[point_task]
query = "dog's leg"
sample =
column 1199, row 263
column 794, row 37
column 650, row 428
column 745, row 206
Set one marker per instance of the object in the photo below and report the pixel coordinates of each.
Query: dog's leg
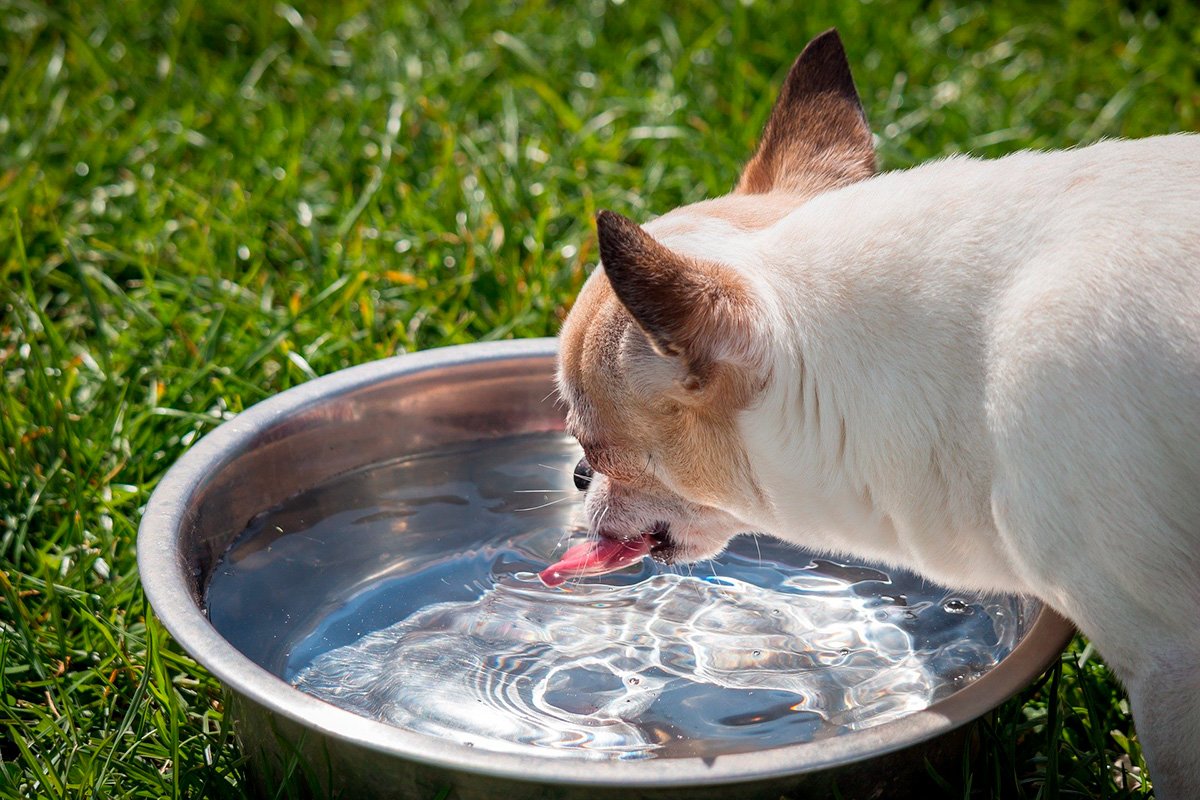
column 1158, row 662
column 1166, row 706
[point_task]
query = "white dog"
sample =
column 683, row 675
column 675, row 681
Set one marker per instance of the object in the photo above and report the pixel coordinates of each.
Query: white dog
column 985, row 371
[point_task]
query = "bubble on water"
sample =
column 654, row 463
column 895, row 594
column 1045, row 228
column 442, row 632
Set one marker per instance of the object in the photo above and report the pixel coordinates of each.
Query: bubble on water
column 956, row 606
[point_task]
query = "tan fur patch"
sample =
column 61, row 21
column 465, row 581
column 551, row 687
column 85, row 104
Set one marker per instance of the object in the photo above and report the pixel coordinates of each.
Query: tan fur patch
column 630, row 436
column 743, row 211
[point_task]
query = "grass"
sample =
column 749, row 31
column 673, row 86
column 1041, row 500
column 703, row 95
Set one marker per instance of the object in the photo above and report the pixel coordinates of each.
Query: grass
column 204, row 203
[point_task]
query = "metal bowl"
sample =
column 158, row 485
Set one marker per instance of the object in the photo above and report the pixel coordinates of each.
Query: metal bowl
column 417, row 402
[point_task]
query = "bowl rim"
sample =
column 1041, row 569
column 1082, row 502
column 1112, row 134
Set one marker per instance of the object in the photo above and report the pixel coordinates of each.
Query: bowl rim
column 165, row 581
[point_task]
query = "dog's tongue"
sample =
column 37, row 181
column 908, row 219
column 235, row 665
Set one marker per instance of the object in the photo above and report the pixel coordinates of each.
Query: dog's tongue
column 595, row 557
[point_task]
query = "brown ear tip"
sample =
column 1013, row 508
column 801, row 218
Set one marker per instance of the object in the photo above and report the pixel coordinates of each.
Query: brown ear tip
column 611, row 226
column 606, row 222
column 826, row 41
column 606, row 219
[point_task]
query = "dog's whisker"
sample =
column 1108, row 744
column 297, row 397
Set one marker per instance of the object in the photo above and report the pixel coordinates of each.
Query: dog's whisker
column 646, row 466
column 553, row 502
column 600, row 519
column 567, row 533
column 723, row 589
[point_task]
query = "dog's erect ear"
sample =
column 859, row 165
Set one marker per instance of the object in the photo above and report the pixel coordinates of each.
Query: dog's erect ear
column 817, row 136
column 698, row 311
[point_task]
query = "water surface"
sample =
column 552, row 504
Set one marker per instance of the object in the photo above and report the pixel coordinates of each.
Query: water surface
column 407, row 592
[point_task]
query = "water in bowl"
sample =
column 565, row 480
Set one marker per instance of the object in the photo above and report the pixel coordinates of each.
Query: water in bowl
column 407, row 592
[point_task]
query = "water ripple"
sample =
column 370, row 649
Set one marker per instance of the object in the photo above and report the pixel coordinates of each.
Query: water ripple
column 630, row 671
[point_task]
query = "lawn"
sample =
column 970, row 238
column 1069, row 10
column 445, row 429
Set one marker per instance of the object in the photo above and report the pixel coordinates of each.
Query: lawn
column 204, row 203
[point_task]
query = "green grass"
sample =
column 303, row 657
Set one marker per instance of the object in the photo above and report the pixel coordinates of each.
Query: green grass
column 207, row 202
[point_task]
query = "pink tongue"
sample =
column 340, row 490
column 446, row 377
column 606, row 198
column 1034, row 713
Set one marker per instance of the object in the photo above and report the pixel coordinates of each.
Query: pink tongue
column 595, row 557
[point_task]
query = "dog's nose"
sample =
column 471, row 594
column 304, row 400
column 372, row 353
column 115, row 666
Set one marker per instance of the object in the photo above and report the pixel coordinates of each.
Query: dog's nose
column 583, row 474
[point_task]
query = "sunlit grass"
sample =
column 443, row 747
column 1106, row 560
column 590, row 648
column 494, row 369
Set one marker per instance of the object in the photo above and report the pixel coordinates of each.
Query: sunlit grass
column 207, row 202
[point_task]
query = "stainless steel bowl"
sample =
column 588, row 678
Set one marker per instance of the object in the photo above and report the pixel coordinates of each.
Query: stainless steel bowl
column 411, row 403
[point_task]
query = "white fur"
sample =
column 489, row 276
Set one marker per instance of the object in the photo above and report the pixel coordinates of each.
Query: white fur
column 1012, row 349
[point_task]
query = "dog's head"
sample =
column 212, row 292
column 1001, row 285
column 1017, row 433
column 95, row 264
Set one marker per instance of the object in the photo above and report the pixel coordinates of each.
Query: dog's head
column 667, row 343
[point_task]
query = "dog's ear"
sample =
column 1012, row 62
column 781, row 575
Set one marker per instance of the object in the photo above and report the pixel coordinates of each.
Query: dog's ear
column 697, row 311
column 817, row 136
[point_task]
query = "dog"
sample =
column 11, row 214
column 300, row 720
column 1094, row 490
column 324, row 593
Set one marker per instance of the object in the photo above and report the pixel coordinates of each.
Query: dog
column 985, row 371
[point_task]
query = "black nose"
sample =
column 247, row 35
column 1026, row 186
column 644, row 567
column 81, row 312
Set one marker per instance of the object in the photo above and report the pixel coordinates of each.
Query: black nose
column 583, row 475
